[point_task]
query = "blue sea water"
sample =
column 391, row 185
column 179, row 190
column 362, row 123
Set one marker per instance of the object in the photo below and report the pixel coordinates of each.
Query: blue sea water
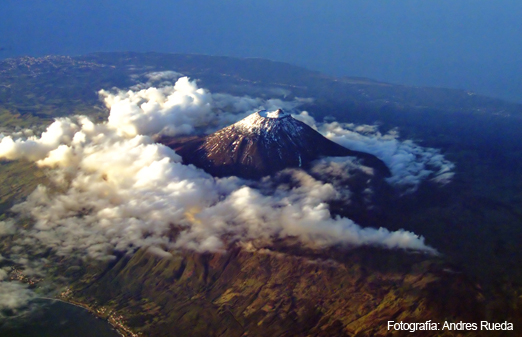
column 57, row 319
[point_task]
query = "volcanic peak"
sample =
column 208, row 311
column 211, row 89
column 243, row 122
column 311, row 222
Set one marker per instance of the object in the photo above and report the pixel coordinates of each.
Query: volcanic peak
column 265, row 122
column 262, row 144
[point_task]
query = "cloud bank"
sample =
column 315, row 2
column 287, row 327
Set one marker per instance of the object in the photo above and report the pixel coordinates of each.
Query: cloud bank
column 409, row 163
column 115, row 188
column 179, row 109
column 13, row 296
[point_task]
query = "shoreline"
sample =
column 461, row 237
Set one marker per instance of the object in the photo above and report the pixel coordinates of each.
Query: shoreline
column 114, row 320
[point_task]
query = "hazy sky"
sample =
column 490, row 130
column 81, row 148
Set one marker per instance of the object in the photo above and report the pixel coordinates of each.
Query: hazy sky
column 469, row 44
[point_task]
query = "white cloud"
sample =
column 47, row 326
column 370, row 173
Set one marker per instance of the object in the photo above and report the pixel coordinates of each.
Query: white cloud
column 35, row 148
column 118, row 189
column 13, row 296
column 408, row 162
column 180, row 109
column 167, row 75
column 7, row 228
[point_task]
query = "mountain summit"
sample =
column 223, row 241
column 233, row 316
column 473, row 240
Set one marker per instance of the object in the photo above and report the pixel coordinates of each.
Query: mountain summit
column 263, row 144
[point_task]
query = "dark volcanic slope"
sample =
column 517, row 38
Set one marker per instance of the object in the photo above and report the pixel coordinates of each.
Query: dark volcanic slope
column 262, row 144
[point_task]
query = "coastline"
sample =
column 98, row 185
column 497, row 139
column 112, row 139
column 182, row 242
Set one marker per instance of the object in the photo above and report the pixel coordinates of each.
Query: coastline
column 116, row 321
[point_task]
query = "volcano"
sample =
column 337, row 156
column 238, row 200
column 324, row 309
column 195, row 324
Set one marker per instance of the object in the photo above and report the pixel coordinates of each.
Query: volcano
column 262, row 144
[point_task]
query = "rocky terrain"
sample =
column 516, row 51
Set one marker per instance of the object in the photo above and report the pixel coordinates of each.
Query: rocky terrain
column 282, row 291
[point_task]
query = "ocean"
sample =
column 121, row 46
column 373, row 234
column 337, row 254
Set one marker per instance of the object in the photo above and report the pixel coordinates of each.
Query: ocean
column 57, row 319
